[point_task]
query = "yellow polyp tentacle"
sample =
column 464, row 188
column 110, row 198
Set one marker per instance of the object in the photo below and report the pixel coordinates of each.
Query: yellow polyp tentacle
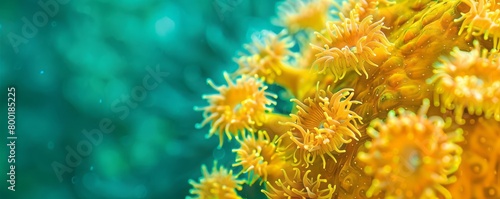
column 323, row 39
column 373, row 189
column 443, row 191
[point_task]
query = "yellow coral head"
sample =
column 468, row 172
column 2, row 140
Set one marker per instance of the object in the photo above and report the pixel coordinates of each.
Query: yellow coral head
column 299, row 186
column 238, row 106
column 259, row 155
column 481, row 19
column 468, row 80
column 323, row 125
column 267, row 55
column 296, row 15
column 411, row 156
column 349, row 45
column 220, row 183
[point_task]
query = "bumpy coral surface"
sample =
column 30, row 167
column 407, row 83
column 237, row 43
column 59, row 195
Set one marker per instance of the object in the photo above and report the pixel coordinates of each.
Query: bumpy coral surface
column 394, row 99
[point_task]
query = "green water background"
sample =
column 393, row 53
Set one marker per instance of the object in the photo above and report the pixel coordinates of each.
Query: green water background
column 88, row 58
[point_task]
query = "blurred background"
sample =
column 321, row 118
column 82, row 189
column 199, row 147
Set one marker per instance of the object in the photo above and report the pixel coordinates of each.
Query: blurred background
column 105, row 91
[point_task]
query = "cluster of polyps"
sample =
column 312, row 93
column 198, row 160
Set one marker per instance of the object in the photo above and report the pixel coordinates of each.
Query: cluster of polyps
column 358, row 78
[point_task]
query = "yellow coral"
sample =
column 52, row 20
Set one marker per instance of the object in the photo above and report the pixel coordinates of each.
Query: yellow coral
column 260, row 155
column 300, row 186
column 350, row 44
column 220, row 183
column 323, row 125
column 394, row 54
column 411, row 156
column 238, row 107
column 468, row 80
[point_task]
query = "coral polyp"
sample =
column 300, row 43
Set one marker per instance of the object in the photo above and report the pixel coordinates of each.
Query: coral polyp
column 268, row 55
column 468, row 81
column 300, row 186
column 481, row 19
column 298, row 15
column 260, row 157
column 323, row 124
column 238, row 106
column 411, row 156
column 349, row 44
column 220, row 183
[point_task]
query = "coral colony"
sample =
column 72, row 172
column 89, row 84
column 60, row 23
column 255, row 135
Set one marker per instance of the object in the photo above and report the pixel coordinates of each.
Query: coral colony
column 392, row 99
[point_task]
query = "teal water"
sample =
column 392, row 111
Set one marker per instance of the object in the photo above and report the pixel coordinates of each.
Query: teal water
column 105, row 92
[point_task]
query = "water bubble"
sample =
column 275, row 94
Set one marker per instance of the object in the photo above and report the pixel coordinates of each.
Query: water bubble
column 42, row 72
